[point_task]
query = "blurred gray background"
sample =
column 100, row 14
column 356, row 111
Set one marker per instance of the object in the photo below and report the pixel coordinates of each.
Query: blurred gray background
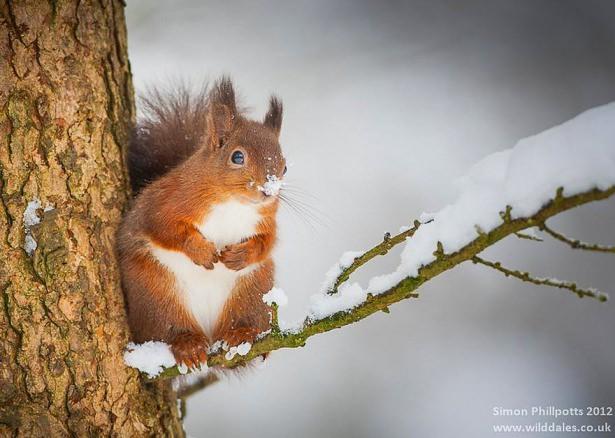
column 386, row 104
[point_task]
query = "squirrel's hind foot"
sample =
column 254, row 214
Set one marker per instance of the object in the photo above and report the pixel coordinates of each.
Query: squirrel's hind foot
column 189, row 349
column 237, row 336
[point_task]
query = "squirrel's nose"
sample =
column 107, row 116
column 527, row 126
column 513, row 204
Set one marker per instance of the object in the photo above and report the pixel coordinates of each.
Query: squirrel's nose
column 272, row 186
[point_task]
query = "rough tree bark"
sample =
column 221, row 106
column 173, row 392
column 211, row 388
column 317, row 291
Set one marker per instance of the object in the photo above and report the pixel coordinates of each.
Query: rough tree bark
column 66, row 105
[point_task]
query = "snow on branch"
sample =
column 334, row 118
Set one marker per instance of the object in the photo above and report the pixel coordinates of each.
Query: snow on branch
column 509, row 191
column 528, row 236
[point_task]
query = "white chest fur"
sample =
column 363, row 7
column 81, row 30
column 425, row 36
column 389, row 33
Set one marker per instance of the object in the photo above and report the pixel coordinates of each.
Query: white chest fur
column 205, row 291
column 230, row 222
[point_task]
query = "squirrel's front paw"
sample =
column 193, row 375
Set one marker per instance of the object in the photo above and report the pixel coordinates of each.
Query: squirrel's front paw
column 237, row 256
column 201, row 252
column 189, row 349
column 239, row 335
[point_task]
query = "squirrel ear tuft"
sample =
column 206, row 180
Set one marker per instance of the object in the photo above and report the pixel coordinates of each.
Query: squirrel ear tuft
column 222, row 111
column 273, row 118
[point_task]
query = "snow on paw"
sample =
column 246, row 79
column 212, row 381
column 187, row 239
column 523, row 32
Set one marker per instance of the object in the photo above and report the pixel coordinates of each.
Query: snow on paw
column 239, row 341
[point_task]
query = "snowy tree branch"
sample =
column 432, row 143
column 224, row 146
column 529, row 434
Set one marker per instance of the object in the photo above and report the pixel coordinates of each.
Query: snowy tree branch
column 382, row 248
column 575, row 244
column 525, row 276
column 501, row 195
column 406, row 288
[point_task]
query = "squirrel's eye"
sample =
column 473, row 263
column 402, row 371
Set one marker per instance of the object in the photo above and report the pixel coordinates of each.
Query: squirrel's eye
column 285, row 170
column 237, row 158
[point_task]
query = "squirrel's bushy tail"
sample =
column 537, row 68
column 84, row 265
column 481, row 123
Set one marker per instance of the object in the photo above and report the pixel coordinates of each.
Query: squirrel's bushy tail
column 168, row 131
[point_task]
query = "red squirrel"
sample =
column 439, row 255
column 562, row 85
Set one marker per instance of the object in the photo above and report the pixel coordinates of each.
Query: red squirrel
column 195, row 248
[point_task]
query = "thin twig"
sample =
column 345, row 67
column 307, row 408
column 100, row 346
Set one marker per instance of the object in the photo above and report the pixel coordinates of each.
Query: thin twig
column 203, row 382
column 275, row 323
column 525, row 276
column 528, row 237
column 576, row 244
column 381, row 249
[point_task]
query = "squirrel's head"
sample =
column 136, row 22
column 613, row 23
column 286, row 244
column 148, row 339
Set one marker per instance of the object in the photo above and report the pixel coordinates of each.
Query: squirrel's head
column 244, row 154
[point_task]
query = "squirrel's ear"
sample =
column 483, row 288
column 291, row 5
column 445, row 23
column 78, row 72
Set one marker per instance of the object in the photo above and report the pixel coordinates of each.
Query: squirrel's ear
column 221, row 113
column 273, row 118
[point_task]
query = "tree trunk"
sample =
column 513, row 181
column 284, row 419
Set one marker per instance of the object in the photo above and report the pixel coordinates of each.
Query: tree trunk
column 66, row 106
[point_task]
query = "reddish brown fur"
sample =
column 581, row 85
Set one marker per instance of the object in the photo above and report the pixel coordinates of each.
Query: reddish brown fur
column 171, row 129
column 245, row 315
column 165, row 214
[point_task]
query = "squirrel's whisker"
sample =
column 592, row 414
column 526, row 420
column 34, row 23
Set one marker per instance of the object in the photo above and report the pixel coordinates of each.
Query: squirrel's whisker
column 295, row 198
column 305, row 212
